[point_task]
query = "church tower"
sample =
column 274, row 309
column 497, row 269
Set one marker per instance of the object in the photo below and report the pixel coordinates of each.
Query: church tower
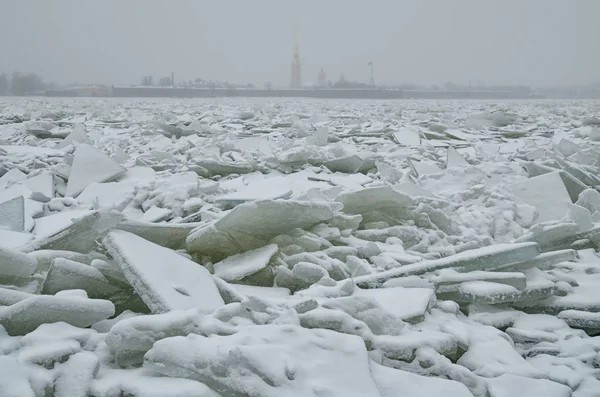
column 296, row 70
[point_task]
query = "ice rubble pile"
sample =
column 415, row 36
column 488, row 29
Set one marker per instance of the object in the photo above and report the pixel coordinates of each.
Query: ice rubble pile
column 298, row 249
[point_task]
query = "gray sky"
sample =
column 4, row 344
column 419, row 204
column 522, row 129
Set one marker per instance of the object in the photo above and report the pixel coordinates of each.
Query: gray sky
column 534, row 42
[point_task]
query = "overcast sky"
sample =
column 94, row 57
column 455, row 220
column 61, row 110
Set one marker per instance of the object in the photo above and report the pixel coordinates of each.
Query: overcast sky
column 534, row 42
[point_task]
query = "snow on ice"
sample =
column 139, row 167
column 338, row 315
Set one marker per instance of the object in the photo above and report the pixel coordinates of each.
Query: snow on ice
column 204, row 248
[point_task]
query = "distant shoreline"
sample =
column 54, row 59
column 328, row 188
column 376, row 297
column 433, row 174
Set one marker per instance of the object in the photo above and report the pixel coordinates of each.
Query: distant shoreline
column 325, row 93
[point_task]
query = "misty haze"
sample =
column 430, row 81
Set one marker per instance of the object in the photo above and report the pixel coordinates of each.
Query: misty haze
column 299, row 199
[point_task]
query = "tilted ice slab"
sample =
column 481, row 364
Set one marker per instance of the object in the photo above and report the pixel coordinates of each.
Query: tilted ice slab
column 41, row 184
column 12, row 214
column 156, row 214
column 107, row 195
column 14, row 240
column 454, row 159
column 547, row 193
column 268, row 189
column 573, row 185
column 14, row 175
column 253, row 225
column 301, row 362
column 407, row 137
column 486, row 258
column 89, row 166
column 170, row 235
column 80, row 234
column 409, row 304
column 32, row 208
column 163, row 279
column 420, row 168
column 236, row 267
column 78, row 135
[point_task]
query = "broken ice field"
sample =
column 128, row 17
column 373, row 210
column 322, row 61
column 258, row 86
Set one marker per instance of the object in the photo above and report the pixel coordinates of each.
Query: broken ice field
column 282, row 248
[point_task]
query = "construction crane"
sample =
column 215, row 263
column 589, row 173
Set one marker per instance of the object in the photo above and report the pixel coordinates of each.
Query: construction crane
column 372, row 79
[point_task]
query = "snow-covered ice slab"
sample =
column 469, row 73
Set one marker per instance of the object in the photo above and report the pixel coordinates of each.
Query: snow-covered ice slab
column 210, row 167
column 253, row 225
column 236, row 267
column 50, row 354
column 371, row 203
column 573, row 185
column 551, row 205
column 130, row 338
column 420, row 169
column 156, row 214
column 89, row 166
column 407, row 137
column 301, row 363
column 74, row 378
column 35, row 150
column 31, row 208
column 486, row 258
column 496, row 293
column 544, row 261
column 50, row 225
column 16, row 264
column 42, row 185
column 581, row 319
column 413, row 190
column 14, row 378
column 409, row 304
column 508, row 385
column 347, row 164
column 107, row 195
column 270, row 293
column 394, row 383
column 65, row 274
column 447, row 280
column 28, row 314
column 458, row 134
column 163, row 279
column 567, row 147
column 491, row 353
column 267, row 189
column 14, row 240
column 145, row 383
column 12, row 214
column 14, row 175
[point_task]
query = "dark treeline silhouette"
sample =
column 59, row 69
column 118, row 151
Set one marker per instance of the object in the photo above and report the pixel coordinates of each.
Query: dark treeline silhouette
column 21, row 84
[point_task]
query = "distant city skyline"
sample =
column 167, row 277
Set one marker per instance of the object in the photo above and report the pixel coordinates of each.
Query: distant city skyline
column 426, row 42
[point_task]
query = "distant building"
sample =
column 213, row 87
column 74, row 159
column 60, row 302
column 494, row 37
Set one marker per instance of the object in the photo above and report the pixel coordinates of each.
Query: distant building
column 322, row 80
column 85, row 91
column 296, row 67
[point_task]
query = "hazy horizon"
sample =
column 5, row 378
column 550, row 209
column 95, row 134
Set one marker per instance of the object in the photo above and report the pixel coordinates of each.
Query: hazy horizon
column 536, row 43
